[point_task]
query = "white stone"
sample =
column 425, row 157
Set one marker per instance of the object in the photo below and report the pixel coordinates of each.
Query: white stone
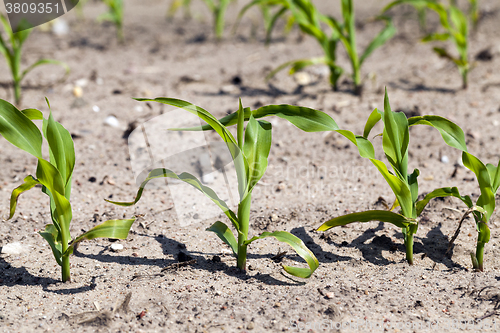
column 302, row 78
column 116, row 247
column 95, row 108
column 60, row 27
column 445, row 159
column 112, row 121
column 14, row 248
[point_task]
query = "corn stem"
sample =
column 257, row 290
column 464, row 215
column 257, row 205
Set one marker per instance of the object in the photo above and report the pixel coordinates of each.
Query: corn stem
column 244, row 220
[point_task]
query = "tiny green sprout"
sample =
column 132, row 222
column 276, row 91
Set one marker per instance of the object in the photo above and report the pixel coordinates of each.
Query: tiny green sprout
column 13, row 55
column 115, row 16
column 249, row 153
column 488, row 177
column 79, row 9
column 218, row 9
column 54, row 176
column 309, row 20
column 456, row 27
column 176, row 4
column 395, row 142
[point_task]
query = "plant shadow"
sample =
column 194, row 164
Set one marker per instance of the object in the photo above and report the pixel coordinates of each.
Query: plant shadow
column 176, row 249
column 407, row 85
column 431, row 246
column 19, row 276
column 321, row 255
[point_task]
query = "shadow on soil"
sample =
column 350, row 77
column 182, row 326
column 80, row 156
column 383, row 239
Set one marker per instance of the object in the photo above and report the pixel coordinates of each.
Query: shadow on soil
column 434, row 246
column 406, row 85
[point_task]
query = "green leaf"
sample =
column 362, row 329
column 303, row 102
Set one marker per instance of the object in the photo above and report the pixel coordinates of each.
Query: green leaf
column 115, row 229
column 365, row 147
column 51, row 235
column 399, row 187
column 225, row 234
column 484, row 233
column 189, row 179
column 33, row 114
column 441, row 193
column 297, row 65
column 396, row 138
column 452, row 134
column 494, row 176
column 413, row 183
column 370, row 215
column 300, row 248
column 29, row 183
column 61, row 147
column 373, row 119
column 383, row 36
column 306, row 119
column 436, row 37
column 256, row 149
column 16, row 128
column 45, row 62
column 50, row 177
column 487, row 199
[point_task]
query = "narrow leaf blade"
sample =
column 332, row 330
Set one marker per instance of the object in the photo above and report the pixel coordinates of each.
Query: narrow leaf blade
column 300, row 248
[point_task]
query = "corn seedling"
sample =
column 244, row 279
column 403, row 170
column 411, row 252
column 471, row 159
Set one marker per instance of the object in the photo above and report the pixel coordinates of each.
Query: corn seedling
column 176, row 4
column 395, row 140
column 217, row 8
column 456, row 27
column 309, row 20
column 114, row 15
column 250, row 153
column 269, row 16
column 488, row 177
column 54, row 176
column 13, row 54
column 347, row 35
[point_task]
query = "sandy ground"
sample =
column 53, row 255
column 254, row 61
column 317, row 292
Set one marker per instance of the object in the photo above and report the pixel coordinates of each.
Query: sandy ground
column 363, row 283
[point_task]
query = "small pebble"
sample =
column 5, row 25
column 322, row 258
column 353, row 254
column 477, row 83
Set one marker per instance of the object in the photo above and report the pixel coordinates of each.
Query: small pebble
column 250, row 326
column 112, row 121
column 14, row 248
column 302, row 78
column 445, row 159
column 116, row 247
column 274, row 217
column 60, row 27
column 77, row 91
column 95, row 108
column 330, row 295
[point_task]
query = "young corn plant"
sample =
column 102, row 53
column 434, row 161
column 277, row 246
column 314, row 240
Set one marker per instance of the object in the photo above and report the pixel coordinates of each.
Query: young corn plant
column 456, row 27
column 218, row 9
column 54, row 176
column 488, row 177
column 11, row 48
column 249, row 152
column 270, row 17
column 395, row 141
column 115, row 16
column 309, row 20
column 176, row 4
